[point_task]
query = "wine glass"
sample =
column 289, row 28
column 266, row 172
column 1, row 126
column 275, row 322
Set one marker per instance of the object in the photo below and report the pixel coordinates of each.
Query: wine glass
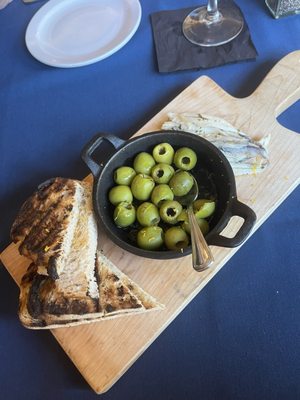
column 214, row 24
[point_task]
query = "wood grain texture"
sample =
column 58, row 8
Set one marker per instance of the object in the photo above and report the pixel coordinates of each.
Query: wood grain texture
column 103, row 351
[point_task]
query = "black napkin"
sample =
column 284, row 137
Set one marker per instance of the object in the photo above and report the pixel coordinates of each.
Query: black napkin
column 175, row 53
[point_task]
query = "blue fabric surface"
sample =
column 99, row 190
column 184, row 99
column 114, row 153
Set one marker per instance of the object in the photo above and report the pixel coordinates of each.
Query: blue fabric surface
column 239, row 338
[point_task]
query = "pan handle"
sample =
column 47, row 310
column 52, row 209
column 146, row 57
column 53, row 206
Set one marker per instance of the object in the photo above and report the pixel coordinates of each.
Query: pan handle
column 241, row 210
column 93, row 145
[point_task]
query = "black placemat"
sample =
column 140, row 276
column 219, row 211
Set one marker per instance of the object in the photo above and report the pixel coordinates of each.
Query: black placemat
column 175, row 53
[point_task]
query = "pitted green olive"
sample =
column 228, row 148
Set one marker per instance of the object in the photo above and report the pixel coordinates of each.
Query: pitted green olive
column 176, row 238
column 185, row 158
column 124, row 214
column 169, row 211
column 162, row 173
column 203, row 224
column 161, row 193
column 184, row 220
column 120, row 193
column 124, row 175
column 142, row 186
column 204, row 208
column 181, row 183
column 150, row 238
column 143, row 163
column 163, row 153
column 147, row 214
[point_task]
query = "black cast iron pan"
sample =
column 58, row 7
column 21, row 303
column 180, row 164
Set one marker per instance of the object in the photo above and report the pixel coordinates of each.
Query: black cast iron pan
column 213, row 173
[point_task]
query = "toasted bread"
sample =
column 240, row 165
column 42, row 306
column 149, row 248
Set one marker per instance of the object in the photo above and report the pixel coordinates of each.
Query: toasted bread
column 87, row 287
column 46, row 223
column 119, row 295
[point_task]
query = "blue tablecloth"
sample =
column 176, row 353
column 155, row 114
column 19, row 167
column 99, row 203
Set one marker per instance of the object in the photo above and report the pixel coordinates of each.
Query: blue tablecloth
column 239, row 338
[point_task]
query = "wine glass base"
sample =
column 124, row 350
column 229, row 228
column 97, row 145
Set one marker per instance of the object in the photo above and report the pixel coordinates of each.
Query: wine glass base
column 203, row 32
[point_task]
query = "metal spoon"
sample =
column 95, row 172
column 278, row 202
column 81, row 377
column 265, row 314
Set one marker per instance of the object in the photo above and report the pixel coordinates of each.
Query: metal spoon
column 201, row 254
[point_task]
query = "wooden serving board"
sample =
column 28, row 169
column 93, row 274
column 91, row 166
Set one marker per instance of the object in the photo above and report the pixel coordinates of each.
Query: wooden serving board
column 103, row 351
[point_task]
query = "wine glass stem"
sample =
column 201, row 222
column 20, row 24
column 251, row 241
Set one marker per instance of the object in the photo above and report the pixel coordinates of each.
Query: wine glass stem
column 213, row 13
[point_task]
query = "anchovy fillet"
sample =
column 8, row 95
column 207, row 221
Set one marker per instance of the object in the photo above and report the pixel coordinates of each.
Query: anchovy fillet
column 245, row 155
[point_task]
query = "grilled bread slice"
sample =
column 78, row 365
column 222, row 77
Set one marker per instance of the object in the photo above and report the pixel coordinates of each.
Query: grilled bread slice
column 46, row 223
column 76, row 290
column 86, row 287
column 118, row 295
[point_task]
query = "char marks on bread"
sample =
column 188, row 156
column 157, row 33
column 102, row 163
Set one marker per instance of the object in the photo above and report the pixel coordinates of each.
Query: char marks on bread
column 43, row 306
column 89, row 287
column 46, row 223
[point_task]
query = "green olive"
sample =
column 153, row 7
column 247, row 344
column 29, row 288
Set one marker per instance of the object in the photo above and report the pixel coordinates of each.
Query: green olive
column 163, row 153
column 162, row 173
column 124, row 214
column 176, row 238
column 124, row 175
column 185, row 158
column 161, row 193
column 120, row 193
column 203, row 224
column 147, row 214
column 184, row 219
column 181, row 183
column 142, row 186
column 143, row 163
column 169, row 211
column 150, row 238
column 204, row 208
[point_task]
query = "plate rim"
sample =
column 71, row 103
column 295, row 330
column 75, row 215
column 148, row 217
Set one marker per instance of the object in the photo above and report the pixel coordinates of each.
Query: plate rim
column 40, row 15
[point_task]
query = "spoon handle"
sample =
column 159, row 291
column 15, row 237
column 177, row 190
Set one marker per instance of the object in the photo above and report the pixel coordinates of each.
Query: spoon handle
column 202, row 256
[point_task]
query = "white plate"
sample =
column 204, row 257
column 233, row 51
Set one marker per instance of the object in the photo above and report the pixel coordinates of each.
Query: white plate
column 73, row 33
